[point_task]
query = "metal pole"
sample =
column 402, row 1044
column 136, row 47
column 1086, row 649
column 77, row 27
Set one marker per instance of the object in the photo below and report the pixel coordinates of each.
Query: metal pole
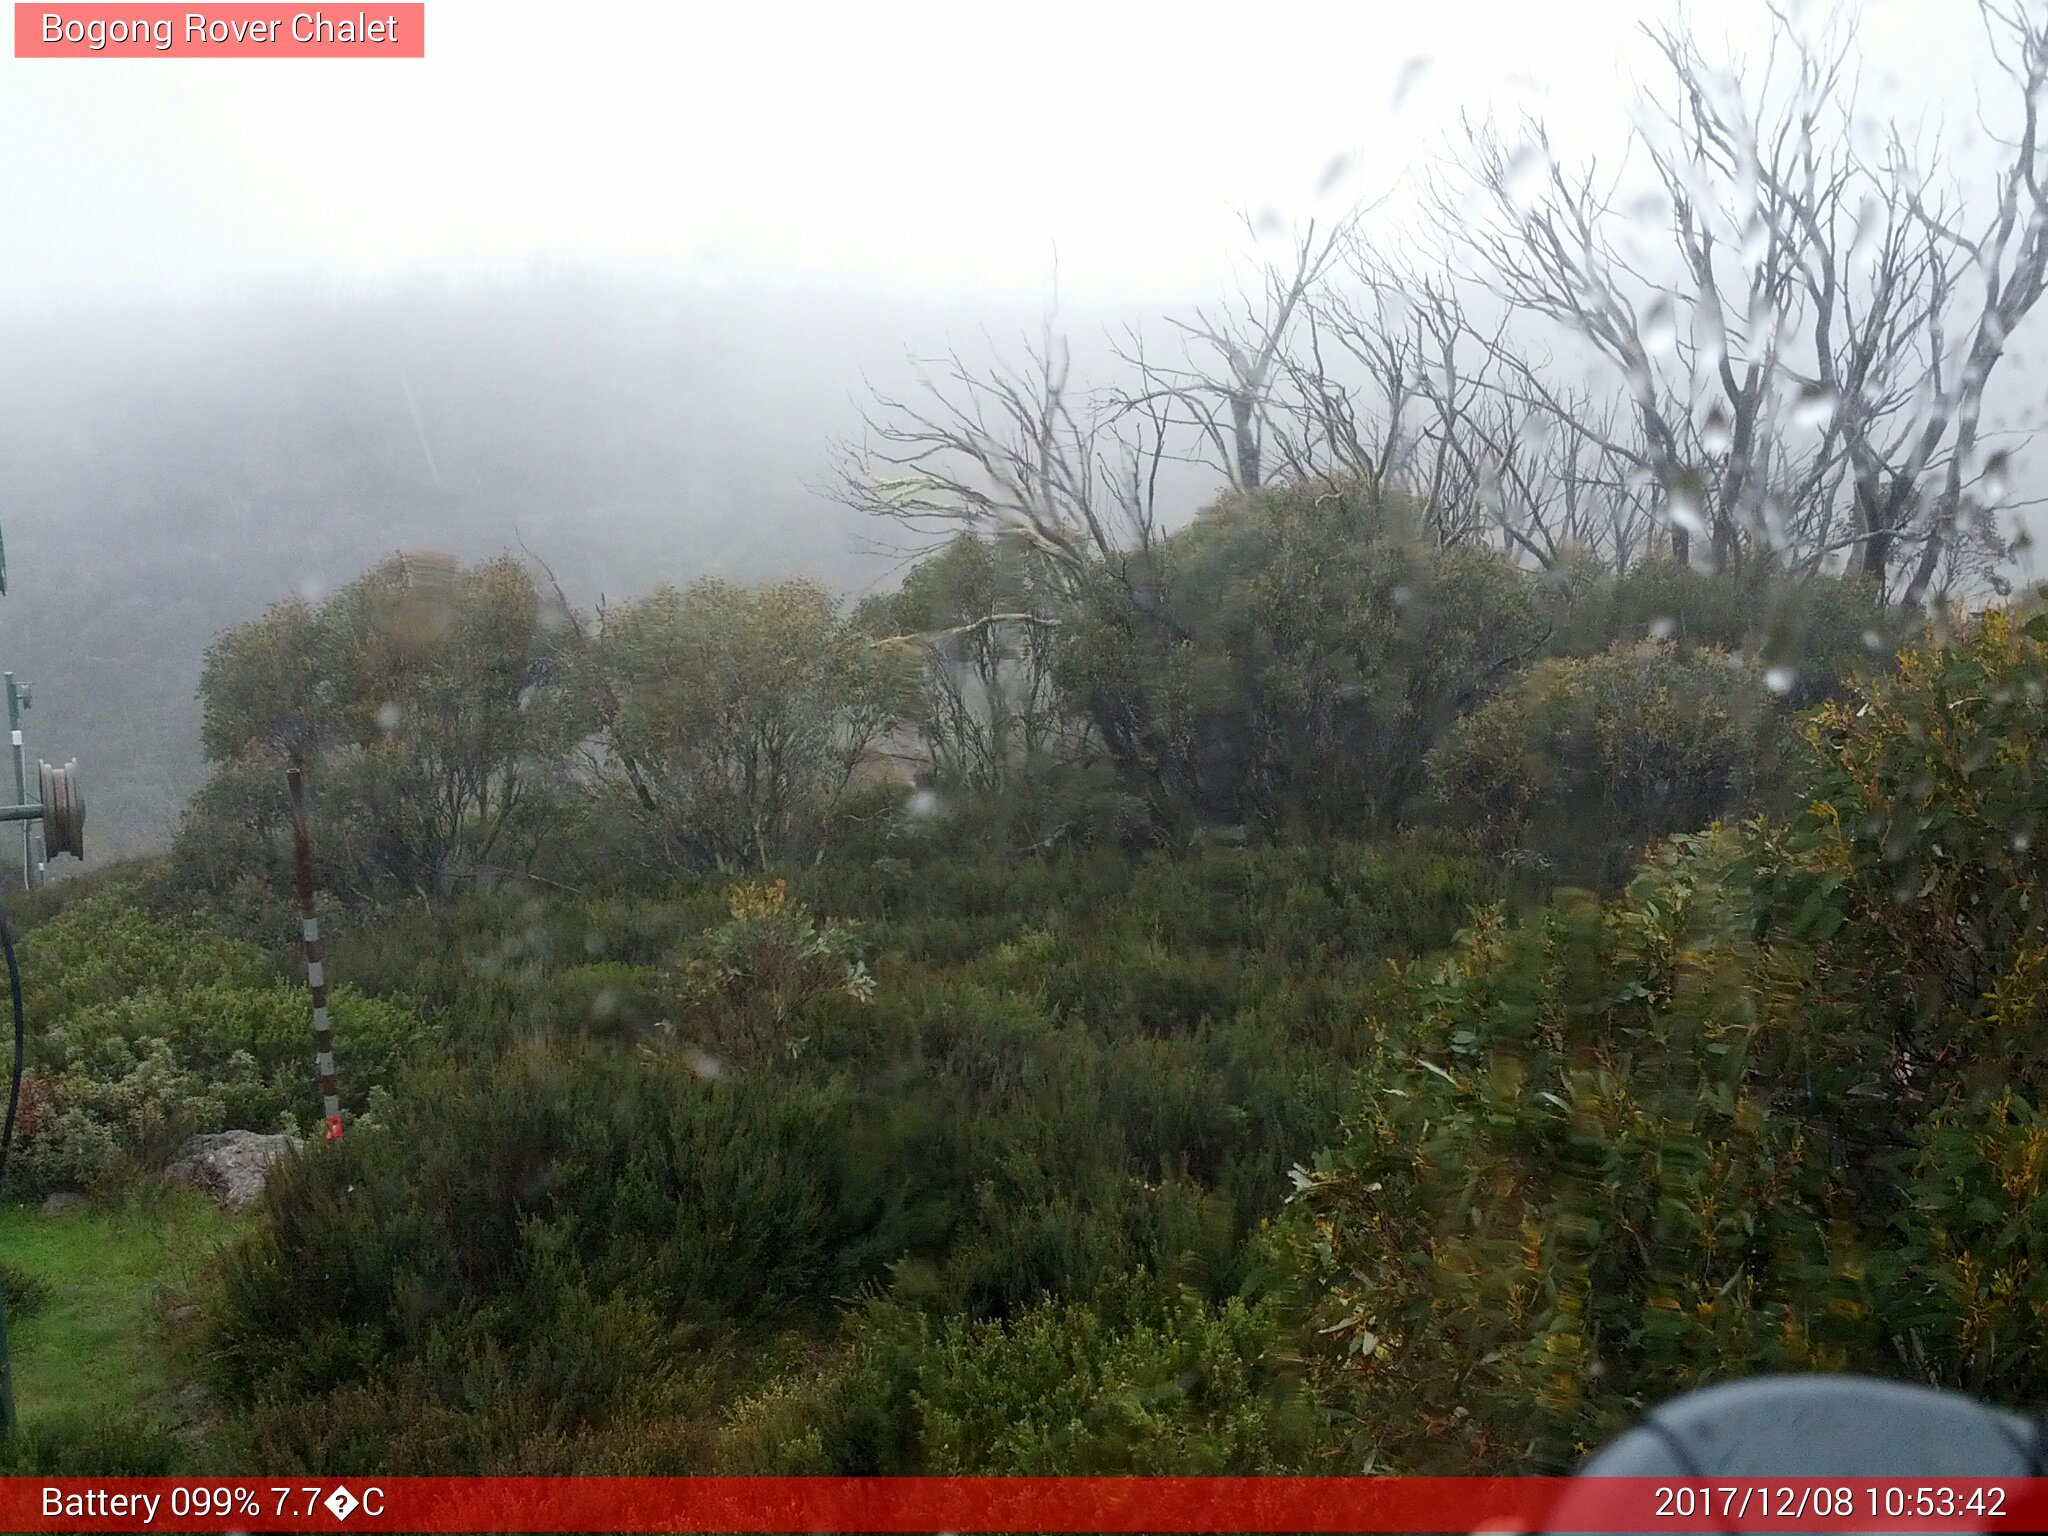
column 316, row 974
column 35, row 833
column 28, row 860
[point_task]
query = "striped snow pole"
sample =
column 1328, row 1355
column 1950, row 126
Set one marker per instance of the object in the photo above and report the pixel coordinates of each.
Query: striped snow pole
column 316, row 975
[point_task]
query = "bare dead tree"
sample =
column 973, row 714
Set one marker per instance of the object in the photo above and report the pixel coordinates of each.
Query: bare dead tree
column 1221, row 390
column 990, row 707
column 1398, row 388
column 1000, row 449
column 2009, row 253
column 1805, row 358
column 1020, row 451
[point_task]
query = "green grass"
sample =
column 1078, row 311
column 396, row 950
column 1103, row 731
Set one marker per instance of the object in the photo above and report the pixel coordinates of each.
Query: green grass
column 106, row 1342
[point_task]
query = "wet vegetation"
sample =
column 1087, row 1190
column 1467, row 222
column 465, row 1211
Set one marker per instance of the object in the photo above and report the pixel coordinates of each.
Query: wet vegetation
column 902, row 1123
column 1509, row 904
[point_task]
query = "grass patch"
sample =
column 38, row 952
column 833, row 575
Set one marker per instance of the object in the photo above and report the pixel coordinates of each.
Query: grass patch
column 99, row 1343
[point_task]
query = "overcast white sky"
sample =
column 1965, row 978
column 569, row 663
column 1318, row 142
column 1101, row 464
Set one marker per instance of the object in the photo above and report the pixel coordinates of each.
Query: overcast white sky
column 925, row 148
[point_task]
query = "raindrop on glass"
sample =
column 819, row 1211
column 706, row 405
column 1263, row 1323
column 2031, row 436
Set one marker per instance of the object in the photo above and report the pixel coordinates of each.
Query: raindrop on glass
column 1997, row 478
column 1870, row 221
column 1815, row 406
column 1756, row 239
column 1685, row 509
column 1645, row 209
column 1411, row 75
column 1715, row 435
column 1774, row 530
column 1660, row 328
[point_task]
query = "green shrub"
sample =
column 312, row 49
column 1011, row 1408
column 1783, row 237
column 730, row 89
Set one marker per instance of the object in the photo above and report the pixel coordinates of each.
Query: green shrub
column 1108, row 1386
column 209, row 1027
column 118, row 1085
column 108, row 947
column 609, row 998
column 94, row 1445
column 501, row 1196
column 1777, row 1109
column 1073, row 1069
column 1140, row 1380
column 744, row 981
column 1330, row 642
column 1817, row 635
column 1581, row 763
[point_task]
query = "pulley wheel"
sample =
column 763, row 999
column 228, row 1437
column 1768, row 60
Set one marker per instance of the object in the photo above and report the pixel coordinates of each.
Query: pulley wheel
column 63, row 811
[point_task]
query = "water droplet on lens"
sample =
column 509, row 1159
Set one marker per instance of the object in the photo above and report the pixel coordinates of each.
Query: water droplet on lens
column 1715, row 435
column 1997, row 478
column 1756, row 239
column 1660, row 328
column 1870, row 223
column 1780, row 680
column 1685, row 506
column 1411, row 74
column 1815, row 406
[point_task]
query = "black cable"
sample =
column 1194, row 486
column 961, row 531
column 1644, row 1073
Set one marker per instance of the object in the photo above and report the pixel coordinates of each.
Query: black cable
column 20, row 1039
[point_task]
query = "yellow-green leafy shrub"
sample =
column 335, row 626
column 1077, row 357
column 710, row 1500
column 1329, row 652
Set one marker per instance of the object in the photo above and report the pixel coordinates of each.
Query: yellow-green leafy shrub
column 1776, row 1109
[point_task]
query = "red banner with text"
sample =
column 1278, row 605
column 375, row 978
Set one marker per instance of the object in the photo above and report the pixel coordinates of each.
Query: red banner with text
column 963, row 1504
column 227, row 31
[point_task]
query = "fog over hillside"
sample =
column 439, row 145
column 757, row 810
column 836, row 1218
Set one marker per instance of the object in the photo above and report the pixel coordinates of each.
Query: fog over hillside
column 171, row 471
column 296, row 318
column 1055, row 742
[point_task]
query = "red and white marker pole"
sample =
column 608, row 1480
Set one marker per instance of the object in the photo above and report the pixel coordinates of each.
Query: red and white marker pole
column 316, row 974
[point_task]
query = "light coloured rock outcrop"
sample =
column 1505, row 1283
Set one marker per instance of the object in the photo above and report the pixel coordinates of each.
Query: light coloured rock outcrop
column 229, row 1165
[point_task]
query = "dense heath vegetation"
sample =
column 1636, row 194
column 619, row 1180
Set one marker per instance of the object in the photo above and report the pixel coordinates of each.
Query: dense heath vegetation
column 1527, row 902
column 784, row 1038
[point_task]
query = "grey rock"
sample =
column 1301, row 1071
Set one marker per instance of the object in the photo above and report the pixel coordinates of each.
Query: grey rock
column 63, row 1203
column 232, row 1166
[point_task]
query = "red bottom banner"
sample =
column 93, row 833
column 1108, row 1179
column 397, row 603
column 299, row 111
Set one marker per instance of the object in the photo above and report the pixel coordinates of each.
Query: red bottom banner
column 962, row 1504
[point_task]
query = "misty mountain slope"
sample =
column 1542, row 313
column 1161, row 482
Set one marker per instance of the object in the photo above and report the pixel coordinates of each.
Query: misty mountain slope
column 165, row 474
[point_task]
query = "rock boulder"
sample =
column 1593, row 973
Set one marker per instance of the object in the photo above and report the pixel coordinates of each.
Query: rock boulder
column 229, row 1165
